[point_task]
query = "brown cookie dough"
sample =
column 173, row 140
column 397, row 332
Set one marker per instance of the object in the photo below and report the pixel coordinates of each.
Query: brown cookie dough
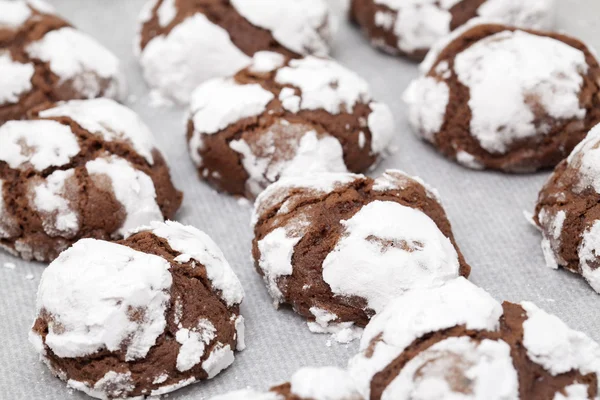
column 456, row 341
column 507, row 99
column 182, row 43
column 82, row 168
column 44, row 59
column 145, row 316
column 285, row 117
column 339, row 247
column 411, row 28
column 568, row 215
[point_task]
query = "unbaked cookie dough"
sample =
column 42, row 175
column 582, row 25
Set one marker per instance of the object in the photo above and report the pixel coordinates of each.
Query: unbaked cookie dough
column 82, row 168
column 339, row 247
column 457, row 342
column 327, row 383
column 411, row 28
column 285, row 117
column 568, row 212
column 145, row 316
column 501, row 98
column 182, row 43
column 44, row 59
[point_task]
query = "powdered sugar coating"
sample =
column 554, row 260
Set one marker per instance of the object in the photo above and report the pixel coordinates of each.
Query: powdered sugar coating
column 427, row 99
column 108, row 119
column 220, row 358
column 576, row 391
column 299, row 25
column 381, row 125
column 51, row 201
column 457, row 368
column 551, row 242
column 586, row 158
column 533, row 14
column 193, row 342
column 88, row 62
column 248, row 394
column 521, row 70
column 588, row 255
column 113, row 384
column 416, row 313
column 374, row 247
column 195, row 244
column 166, row 12
column 326, row 383
column 38, row 144
column 15, row 77
column 131, row 187
column 195, row 51
column 14, row 13
column 266, row 61
column 88, row 292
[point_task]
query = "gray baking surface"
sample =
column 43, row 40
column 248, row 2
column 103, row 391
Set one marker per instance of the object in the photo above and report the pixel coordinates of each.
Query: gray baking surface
column 486, row 210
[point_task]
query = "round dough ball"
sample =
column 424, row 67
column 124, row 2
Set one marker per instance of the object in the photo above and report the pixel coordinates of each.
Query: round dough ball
column 411, row 28
column 568, row 213
column 284, row 117
column 44, row 59
column 147, row 315
column 182, row 43
column 82, row 168
column 497, row 97
column 339, row 247
column 456, row 341
column 327, row 383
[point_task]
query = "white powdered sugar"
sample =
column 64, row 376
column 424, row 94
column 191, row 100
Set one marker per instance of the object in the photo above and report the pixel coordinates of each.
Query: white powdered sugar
column 14, row 13
column 112, row 385
column 166, row 12
column 220, row 358
column 131, row 187
column 416, row 313
column 108, row 119
column 171, row 388
column 37, row 143
column 326, row 383
column 586, row 158
column 533, row 14
column 240, row 333
column 266, row 61
column 195, row 244
column 457, row 368
column 427, row 100
column 378, row 258
column 299, row 25
column 87, row 63
column 325, row 84
column 90, row 292
column 468, row 160
column 555, row 346
column 193, row 342
column 50, row 201
column 194, row 51
column 381, row 125
column 218, row 103
column 394, row 179
column 552, row 224
column 325, row 322
column 512, row 74
column 588, row 252
column 248, row 394
column 576, row 391
column 15, row 78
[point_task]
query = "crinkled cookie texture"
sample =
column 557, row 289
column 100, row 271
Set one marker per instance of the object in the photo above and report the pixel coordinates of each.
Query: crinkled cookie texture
column 339, row 247
column 284, row 117
column 457, row 342
column 327, row 383
column 44, row 59
column 411, row 27
column 182, row 43
column 145, row 316
column 501, row 98
column 568, row 214
column 82, row 168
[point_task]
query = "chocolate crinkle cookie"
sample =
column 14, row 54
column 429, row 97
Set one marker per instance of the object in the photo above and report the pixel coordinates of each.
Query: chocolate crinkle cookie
column 339, row 247
column 145, row 316
column 457, row 342
column 502, row 98
column 44, row 59
column 568, row 213
column 285, row 117
column 327, row 383
column 182, row 43
column 411, row 28
column 82, row 168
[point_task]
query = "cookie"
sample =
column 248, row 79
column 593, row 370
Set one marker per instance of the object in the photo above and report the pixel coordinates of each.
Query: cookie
column 506, row 99
column 456, row 341
column 411, row 28
column 144, row 316
column 327, row 383
column 182, row 43
column 44, row 59
column 284, row 117
column 567, row 212
column 82, row 168
column 339, row 247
